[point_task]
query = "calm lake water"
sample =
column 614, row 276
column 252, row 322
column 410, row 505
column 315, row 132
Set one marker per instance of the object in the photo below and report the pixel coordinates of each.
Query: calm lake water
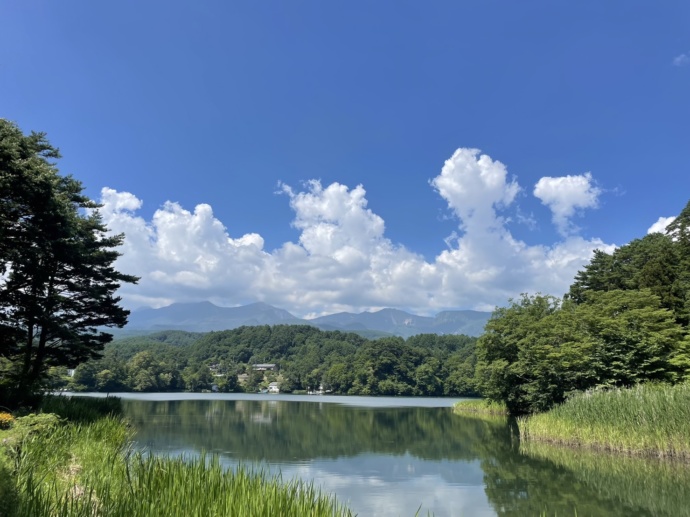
column 391, row 456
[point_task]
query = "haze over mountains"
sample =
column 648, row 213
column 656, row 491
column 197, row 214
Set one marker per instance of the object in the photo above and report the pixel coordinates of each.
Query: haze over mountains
column 205, row 316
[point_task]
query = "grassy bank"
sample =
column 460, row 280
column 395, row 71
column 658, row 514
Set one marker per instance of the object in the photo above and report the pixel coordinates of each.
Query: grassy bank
column 480, row 406
column 85, row 468
column 648, row 419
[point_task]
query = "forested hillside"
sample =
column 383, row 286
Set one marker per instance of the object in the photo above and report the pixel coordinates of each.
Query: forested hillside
column 306, row 358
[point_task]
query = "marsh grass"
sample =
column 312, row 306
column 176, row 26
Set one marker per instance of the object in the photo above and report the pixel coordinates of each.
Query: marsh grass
column 88, row 469
column 649, row 419
column 81, row 409
column 480, row 406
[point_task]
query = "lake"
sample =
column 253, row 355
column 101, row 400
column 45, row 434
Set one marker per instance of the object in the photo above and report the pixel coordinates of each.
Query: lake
column 393, row 456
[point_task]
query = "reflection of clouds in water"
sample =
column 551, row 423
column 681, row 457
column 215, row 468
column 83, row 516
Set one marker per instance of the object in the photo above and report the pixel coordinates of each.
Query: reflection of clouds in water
column 273, row 400
column 404, row 491
column 372, row 484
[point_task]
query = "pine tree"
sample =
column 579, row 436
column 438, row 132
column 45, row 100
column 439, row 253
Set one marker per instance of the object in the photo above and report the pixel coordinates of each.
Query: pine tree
column 58, row 284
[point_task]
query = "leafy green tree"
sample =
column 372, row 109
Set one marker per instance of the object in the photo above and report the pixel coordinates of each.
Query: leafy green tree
column 537, row 351
column 199, row 378
column 427, row 379
column 338, row 378
column 256, row 378
column 84, row 377
column 633, row 337
column 679, row 232
column 228, row 383
column 458, row 377
column 145, row 372
column 57, row 257
column 111, row 380
column 502, row 368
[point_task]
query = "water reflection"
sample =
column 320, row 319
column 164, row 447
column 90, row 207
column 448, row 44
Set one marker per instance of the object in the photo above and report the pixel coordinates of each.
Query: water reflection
column 292, row 431
column 390, row 460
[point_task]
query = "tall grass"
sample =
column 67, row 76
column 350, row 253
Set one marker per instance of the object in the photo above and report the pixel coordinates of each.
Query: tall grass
column 87, row 469
column 81, row 409
column 650, row 419
column 484, row 406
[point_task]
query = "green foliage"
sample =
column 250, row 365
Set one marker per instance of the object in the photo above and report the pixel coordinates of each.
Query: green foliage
column 511, row 348
column 56, row 253
column 656, row 262
column 536, row 351
column 25, row 428
column 632, row 337
column 307, row 359
column 8, row 489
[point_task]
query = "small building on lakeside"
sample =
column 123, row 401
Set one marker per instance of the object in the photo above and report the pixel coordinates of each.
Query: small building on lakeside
column 264, row 367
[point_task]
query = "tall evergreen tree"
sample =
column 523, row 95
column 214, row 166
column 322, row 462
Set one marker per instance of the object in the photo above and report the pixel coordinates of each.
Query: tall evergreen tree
column 58, row 283
column 679, row 232
column 657, row 262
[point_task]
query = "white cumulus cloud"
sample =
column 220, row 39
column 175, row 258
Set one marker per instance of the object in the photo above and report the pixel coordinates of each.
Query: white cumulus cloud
column 475, row 187
column 566, row 195
column 342, row 259
column 661, row 224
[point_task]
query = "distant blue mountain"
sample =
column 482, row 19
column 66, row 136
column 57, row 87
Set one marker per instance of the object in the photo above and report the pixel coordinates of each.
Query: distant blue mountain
column 401, row 323
column 205, row 316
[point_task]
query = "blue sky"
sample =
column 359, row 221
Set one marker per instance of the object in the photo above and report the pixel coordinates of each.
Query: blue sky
column 237, row 107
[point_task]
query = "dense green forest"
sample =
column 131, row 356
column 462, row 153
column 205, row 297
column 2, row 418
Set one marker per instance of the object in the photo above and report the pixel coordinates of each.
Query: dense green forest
column 306, row 358
column 623, row 322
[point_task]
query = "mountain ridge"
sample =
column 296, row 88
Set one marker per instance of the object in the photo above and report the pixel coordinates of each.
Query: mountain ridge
column 206, row 316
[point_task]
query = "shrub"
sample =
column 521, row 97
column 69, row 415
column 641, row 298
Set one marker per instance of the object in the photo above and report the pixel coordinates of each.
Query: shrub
column 6, row 420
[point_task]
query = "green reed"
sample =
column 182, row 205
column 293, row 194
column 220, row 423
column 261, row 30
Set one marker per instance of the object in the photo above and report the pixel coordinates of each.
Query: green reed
column 649, row 419
column 81, row 409
column 484, row 406
column 88, row 469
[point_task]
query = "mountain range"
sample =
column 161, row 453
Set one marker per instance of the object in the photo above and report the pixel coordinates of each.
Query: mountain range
column 205, row 316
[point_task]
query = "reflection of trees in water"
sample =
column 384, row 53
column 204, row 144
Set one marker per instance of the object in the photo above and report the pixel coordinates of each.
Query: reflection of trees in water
column 528, row 482
column 636, row 486
column 287, row 431
column 531, row 480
